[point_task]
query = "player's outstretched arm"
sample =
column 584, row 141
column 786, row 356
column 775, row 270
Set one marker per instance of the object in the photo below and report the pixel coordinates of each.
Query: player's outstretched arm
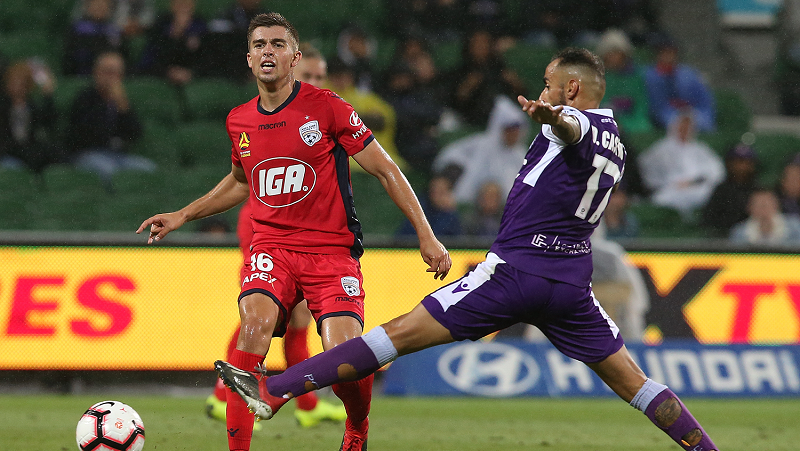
column 377, row 162
column 229, row 192
column 566, row 127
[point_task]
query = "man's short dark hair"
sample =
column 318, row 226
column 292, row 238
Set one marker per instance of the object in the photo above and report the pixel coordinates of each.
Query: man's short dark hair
column 573, row 56
column 272, row 20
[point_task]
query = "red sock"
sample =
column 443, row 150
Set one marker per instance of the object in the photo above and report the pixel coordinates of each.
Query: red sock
column 356, row 397
column 220, row 390
column 239, row 419
column 295, row 348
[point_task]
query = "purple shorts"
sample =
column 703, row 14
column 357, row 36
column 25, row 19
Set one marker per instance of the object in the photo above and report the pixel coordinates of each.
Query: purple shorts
column 495, row 296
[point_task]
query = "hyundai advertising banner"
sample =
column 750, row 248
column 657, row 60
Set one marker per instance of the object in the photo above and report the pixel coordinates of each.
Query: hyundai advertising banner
column 506, row 368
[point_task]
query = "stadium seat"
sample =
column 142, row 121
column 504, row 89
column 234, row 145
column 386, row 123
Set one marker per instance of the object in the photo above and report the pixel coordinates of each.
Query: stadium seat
column 213, row 99
column 375, row 209
column 188, row 184
column 67, row 89
column 18, row 183
column 774, row 151
column 447, row 55
column 659, row 222
column 203, row 143
column 159, row 143
column 74, row 209
column 733, row 113
column 529, row 61
column 154, row 98
column 60, row 179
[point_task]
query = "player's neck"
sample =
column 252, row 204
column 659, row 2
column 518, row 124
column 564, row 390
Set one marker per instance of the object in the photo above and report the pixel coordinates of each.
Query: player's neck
column 274, row 94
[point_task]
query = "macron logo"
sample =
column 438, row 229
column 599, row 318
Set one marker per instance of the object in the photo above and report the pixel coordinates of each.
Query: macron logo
column 463, row 286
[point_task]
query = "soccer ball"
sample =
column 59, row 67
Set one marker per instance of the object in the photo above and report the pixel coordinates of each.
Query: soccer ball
column 110, row 426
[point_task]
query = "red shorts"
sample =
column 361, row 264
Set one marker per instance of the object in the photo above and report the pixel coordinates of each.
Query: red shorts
column 332, row 283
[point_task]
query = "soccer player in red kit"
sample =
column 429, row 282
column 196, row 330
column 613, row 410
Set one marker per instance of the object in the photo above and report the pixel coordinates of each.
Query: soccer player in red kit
column 311, row 410
column 290, row 153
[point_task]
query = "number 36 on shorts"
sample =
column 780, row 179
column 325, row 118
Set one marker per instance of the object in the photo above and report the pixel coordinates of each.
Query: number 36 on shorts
column 261, row 262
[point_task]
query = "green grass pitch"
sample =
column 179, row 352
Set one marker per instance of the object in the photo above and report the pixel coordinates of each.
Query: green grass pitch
column 47, row 423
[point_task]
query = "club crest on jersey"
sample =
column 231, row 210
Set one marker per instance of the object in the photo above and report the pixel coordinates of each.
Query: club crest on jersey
column 310, row 132
column 351, row 286
column 244, row 143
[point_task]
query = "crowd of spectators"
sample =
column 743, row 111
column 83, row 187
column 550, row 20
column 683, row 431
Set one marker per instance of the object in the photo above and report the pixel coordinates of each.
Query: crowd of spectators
column 410, row 100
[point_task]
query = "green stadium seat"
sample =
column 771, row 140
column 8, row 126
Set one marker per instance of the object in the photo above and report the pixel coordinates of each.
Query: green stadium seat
column 126, row 211
column 529, row 61
column 375, row 209
column 447, row 55
column 154, row 98
column 659, row 222
column 208, row 99
column 159, row 143
column 67, row 210
column 774, row 151
column 14, row 211
column 67, row 90
column 62, row 179
column 733, row 113
column 203, row 143
column 18, row 183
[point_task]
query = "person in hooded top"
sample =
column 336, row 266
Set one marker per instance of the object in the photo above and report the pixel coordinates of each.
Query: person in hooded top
column 681, row 171
column 490, row 156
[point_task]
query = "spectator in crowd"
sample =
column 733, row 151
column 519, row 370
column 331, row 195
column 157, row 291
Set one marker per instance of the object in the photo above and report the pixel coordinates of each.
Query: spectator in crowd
column 618, row 285
column 618, row 220
column 625, row 94
column 559, row 23
column 638, row 19
column 357, row 50
column 440, row 208
column 766, row 225
column 417, row 95
column 483, row 220
column 312, row 68
column 375, row 112
column 26, row 122
column 681, row 171
column 225, row 45
column 103, row 124
column 728, row 203
column 494, row 155
column 482, row 76
column 673, row 87
column 134, row 17
column 788, row 57
column 433, row 20
column 174, row 42
column 789, row 187
column 92, row 33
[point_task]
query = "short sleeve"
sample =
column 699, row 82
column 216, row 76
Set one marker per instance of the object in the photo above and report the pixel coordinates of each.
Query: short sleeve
column 349, row 130
column 547, row 130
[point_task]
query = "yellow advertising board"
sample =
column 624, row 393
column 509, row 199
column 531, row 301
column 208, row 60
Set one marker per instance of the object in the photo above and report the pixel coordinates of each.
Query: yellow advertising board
column 160, row 308
column 725, row 298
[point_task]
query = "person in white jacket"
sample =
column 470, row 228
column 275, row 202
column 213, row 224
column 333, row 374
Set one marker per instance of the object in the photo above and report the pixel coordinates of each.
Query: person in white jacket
column 494, row 155
column 681, row 171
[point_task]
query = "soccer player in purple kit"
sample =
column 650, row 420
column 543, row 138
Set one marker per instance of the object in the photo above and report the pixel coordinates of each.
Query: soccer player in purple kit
column 538, row 270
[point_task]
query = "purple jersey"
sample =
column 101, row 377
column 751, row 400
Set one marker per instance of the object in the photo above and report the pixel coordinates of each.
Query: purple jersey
column 558, row 197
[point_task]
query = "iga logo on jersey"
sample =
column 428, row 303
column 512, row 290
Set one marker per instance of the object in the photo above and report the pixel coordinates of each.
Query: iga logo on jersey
column 282, row 181
column 310, row 132
column 351, row 286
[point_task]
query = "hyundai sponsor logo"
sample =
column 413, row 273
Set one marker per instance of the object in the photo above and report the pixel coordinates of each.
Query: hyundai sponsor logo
column 488, row 369
column 513, row 368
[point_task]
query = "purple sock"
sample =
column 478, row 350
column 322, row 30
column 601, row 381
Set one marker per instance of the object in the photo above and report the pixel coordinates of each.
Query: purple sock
column 322, row 370
column 684, row 429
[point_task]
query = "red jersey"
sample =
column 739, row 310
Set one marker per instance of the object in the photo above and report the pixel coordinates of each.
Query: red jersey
column 296, row 162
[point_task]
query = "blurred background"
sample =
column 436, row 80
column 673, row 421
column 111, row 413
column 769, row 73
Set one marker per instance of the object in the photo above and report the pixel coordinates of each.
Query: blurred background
column 114, row 110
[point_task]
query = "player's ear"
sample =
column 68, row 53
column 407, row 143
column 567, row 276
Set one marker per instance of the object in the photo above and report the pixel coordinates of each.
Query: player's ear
column 298, row 55
column 573, row 87
column 249, row 60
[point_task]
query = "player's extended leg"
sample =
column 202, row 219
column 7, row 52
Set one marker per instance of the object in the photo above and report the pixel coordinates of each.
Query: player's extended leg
column 355, row 395
column 362, row 356
column 310, row 410
column 259, row 316
column 659, row 403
